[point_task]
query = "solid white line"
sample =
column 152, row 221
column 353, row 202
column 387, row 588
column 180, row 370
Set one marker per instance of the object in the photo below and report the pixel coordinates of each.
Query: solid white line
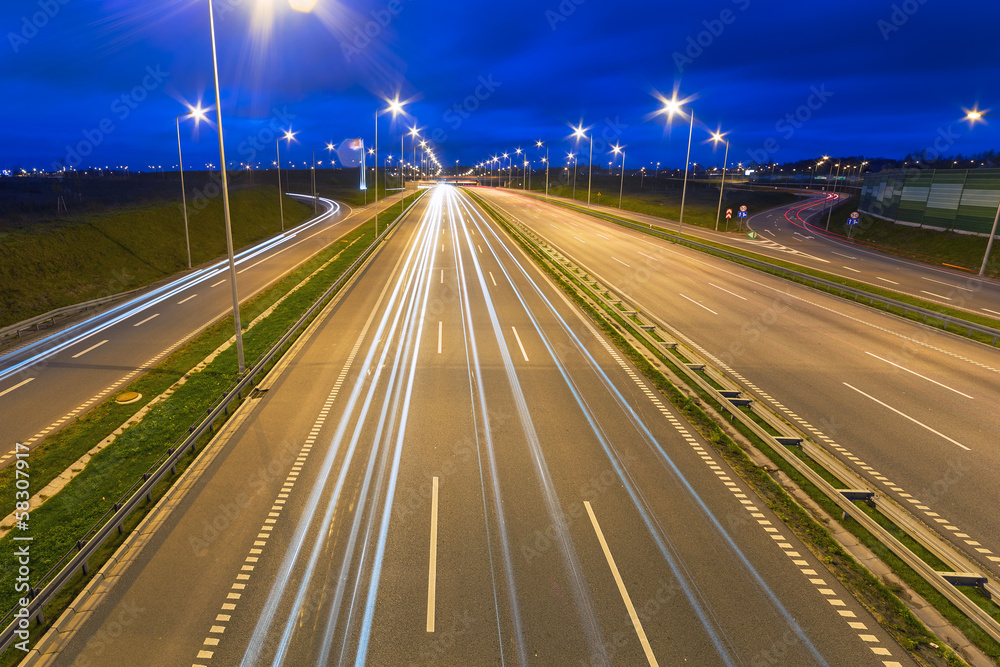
column 492, row 278
column 918, row 374
column 92, row 347
column 139, row 324
column 891, row 282
column 955, row 442
column 850, row 269
column 579, row 239
column 620, row 262
column 440, row 333
column 842, row 255
column 19, row 384
column 937, row 295
column 187, row 299
column 698, row 304
column 728, row 292
column 991, row 311
column 219, row 283
column 432, row 569
column 523, row 353
column 636, row 623
column 966, row 289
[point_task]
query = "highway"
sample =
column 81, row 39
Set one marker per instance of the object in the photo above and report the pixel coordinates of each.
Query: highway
column 907, row 406
column 55, row 379
column 790, row 234
column 454, row 467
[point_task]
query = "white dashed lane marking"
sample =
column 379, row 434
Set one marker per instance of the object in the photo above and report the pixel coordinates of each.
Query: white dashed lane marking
column 780, row 540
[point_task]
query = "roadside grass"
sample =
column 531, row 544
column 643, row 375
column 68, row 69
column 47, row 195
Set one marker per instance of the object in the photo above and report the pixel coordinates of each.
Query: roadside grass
column 883, row 602
column 58, row 523
column 875, row 290
column 700, row 204
column 925, row 245
column 78, row 258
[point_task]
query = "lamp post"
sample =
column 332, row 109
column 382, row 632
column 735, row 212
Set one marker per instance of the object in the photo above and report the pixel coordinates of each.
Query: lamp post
column 572, row 159
column 717, row 137
column 579, row 133
column 198, row 113
column 288, row 136
column 395, row 106
column 972, row 117
column 671, row 107
column 518, row 152
column 829, row 213
column 546, row 161
column 621, row 187
column 225, row 199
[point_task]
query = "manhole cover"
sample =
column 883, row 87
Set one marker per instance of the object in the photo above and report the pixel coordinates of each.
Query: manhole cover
column 128, row 397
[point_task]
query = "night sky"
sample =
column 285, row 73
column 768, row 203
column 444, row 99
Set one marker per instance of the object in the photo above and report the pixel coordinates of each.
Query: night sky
column 856, row 77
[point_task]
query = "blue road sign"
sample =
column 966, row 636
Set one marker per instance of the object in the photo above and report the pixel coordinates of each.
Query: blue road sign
column 742, row 214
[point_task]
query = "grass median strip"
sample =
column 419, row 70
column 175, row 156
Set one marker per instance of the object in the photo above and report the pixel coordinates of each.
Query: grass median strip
column 875, row 595
column 56, row 525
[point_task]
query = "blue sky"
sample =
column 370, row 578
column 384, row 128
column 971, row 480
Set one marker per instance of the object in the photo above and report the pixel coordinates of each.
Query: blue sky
column 787, row 80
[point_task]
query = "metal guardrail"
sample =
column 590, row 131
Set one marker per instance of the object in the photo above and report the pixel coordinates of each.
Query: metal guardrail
column 925, row 313
column 112, row 521
column 35, row 322
column 963, row 571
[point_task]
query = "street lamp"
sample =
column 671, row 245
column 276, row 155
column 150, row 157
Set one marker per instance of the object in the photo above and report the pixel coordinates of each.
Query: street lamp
column 288, row 136
column 621, row 187
column 518, row 151
column 717, row 137
column 671, row 107
column 225, row 199
column 546, row 161
column 829, row 212
column 579, row 133
column 198, row 114
column 972, row 116
column 396, row 107
column 572, row 158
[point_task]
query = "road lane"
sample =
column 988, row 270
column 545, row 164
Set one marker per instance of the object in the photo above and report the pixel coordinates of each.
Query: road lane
column 370, row 414
column 780, row 339
column 791, row 239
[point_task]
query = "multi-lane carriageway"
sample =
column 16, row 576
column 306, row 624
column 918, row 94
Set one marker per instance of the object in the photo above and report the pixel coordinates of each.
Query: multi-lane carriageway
column 453, row 466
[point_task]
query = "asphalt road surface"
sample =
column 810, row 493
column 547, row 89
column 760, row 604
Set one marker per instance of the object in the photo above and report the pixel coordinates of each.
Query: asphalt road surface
column 56, row 378
column 909, row 407
column 795, row 233
column 456, row 468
